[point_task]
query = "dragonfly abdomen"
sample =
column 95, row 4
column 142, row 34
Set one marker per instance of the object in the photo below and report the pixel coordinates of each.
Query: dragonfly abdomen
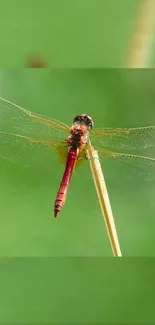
column 62, row 193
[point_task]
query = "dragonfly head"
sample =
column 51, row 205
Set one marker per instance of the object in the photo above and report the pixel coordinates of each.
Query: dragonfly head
column 84, row 119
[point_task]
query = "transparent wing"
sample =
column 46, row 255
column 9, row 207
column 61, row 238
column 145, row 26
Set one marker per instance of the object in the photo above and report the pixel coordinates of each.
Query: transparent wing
column 15, row 119
column 26, row 151
column 133, row 138
column 126, row 166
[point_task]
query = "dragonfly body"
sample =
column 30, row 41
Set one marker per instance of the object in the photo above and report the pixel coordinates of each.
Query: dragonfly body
column 62, row 193
column 76, row 143
column 31, row 139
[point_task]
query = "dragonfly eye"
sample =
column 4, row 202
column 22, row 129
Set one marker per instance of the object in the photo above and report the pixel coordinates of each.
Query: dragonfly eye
column 84, row 120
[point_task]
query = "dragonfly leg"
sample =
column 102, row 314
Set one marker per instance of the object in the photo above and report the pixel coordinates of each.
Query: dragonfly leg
column 86, row 154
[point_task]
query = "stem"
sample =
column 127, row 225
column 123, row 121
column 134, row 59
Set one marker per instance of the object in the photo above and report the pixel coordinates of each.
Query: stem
column 142, row 41
column 104, row 200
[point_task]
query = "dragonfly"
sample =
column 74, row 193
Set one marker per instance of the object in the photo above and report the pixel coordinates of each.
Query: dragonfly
column 27, row 137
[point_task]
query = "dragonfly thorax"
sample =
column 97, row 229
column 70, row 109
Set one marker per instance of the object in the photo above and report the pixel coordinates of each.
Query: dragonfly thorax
column 79, row 136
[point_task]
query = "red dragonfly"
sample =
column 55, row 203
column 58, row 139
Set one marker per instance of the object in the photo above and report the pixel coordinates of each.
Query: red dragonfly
column 27, row 137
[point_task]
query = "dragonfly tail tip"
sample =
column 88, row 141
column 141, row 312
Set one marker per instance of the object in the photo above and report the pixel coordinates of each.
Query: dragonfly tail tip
column 56, row 212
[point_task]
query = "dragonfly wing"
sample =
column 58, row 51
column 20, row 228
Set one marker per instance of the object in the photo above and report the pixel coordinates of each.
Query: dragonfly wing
column 122, row 139
column 26, row 151
column 15, row 119
column 126, row 166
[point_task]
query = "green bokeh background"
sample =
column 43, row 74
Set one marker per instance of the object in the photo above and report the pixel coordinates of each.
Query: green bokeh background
column 60, row 289
column 72, row 34
column 115, row 98
column 77, row 291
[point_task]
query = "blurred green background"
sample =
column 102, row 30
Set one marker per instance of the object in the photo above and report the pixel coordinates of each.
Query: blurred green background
column 77, row 291
column 72, row 34
column 114, row 98
column 60, row 289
